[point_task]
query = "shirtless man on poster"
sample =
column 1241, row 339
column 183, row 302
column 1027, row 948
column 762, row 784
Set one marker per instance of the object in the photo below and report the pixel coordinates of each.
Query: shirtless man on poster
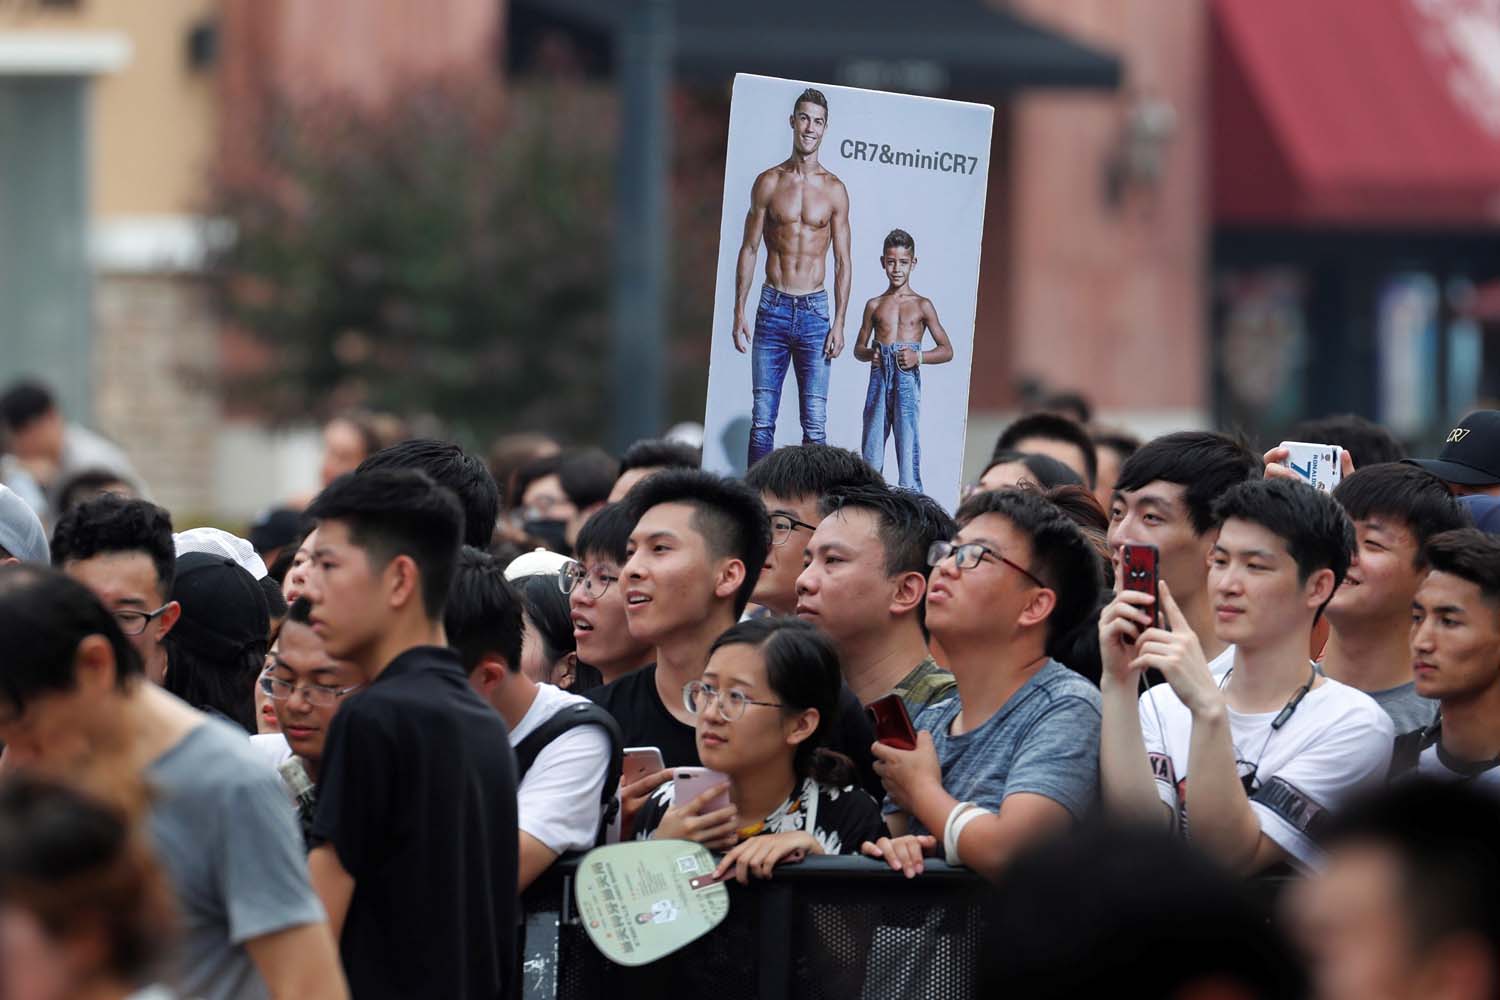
column 799, row 207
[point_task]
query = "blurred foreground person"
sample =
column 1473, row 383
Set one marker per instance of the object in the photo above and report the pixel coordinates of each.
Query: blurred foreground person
column 74, row 702
column 1409, row 905
column 85, row 913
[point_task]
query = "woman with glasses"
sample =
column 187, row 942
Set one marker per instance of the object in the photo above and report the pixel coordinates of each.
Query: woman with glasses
column 765, row 705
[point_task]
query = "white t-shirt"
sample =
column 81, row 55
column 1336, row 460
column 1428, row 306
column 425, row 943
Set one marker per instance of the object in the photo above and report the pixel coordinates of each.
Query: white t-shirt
column 558, row 801
column 1220, row 665
column 272, row 748
column 1336, row 743
column 1438, row 766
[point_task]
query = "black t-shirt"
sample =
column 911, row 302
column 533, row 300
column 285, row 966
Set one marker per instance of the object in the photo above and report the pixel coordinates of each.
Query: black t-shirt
column 645, row 722
column 418, row 797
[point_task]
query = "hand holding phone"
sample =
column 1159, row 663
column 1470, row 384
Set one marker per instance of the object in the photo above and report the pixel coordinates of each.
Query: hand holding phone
column 639, row 762
column 1321, row 466
column 690, row 782
column 1140, row 571
column 892, row 723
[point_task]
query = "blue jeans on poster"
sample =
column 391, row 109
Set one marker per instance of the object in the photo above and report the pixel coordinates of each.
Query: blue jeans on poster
column 892, row 403
column 789, row 330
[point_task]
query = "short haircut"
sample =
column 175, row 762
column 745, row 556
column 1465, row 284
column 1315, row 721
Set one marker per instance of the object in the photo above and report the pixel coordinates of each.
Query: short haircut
column 1046, row 471
column 661, row 453
column 394, row 512
column 533, row 469
column 1122, row 443
column 606, row 534
column 1443, row 838
column 1317, row 532
column 1052, row 427
column 587, row 475
column 727, row 513
column 796, row 471
column 1073, row 405
column 448, row 465
column 899, row 238
column 1205, row 464
column 1407, row 493
column 811, row 96
column 483, row 614
column 23, row 402
column 1467, row 553
column 1060, row 554
column 906, row 522
column 1367, row 442
column 84, row 484
column 44, row 615
column 110, row 525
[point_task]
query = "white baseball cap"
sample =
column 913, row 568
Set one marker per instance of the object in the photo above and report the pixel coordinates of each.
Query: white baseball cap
column 535, row 563
column 218, row 542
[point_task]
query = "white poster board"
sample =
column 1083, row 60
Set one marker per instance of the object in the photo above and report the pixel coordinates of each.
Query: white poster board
column 800, row 178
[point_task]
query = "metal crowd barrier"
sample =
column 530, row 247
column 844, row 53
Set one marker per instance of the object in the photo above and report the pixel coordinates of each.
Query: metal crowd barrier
column 839, row 927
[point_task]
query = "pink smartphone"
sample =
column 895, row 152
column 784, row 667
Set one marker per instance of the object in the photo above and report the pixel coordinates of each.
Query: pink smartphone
column 690, row 782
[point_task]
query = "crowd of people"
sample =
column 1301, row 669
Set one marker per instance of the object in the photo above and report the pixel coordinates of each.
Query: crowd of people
column 327, row 758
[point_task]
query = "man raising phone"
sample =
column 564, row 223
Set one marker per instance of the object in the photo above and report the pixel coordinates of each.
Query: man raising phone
column 799, row 208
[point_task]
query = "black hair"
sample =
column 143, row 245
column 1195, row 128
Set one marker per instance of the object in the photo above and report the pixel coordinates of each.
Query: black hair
column 1073, row 405
column 899, row 238
column 1367, row 442
column 1445, row 841
column 529, row 472
column 606, row 534
column 811, row 96
column 282, row 564
column 483, row 614
column 660, row 453
column 810, row 470
column 23, row 402
column 300, row 611
column 1061, row 557
column 727, row 513
column 275, row 601
column 1407, row 493
column 547, row 608
column 84, row 484
column 906, row 522
column 394, row 512
column 448, row 465
column 110, row 524
column 1204, row 463
column 1467, row 553
column 802, row 669
column 1052, row 427
column 508, row 453
column 218, row 686
column 587, row 475
column 44, row 615
column 1068, row 919
column 1122, row 443
column 1045, row 470
column 1317, row 532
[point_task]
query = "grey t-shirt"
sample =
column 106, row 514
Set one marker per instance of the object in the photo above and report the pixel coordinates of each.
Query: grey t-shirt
column 226, row 835
column 1407, row 709
column 1044, row 740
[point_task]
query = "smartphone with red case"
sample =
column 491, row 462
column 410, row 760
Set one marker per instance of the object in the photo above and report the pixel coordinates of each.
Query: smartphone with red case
column 690, row 782
column 1138, row 565
column 892, row 724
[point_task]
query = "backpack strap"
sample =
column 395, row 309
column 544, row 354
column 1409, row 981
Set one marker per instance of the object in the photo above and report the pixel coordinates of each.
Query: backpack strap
column 582, row 714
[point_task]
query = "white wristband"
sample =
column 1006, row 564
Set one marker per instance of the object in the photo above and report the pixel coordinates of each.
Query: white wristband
column 950, row 834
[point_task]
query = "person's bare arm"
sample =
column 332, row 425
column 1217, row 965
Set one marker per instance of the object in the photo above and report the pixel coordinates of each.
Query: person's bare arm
column 299, row 962
column 536, row 857
column 864, row 343
column 1126, row 784
column 942, row 350
column 991, row 842
column 334, row 885
column 1224, row 825
column 744, row 273
column 842, row 274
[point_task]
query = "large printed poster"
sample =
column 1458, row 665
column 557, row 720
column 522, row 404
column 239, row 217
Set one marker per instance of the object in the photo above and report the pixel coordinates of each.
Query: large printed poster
column 848, row 276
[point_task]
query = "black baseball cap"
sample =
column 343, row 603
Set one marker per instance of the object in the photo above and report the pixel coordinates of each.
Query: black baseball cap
column 1471, row 454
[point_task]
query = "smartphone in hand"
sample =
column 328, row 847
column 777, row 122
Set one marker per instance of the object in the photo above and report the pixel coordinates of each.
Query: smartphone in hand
column 892, row 723
column 1140, row 571
column 690, row 782
column 1318, row 465
column 639, row 762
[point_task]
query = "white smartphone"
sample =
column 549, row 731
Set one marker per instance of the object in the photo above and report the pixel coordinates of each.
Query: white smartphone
column 639, row 762
column 1318, row 465
column 690, row 782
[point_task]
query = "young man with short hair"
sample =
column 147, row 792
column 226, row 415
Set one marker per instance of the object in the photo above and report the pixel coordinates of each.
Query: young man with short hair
column 596, row 599
column 416, row 821
column 559, row 796
column 1056, row 437
column 122, row 549
column 652, row 455
column 792, row 481
column 1470, row 460
column 448, row 465
column 1455, row 654
column 1013, row 758
column 865, row 585
column 74, row 702
column 1165, row 497
column 1264, row 751
column 1395, row 508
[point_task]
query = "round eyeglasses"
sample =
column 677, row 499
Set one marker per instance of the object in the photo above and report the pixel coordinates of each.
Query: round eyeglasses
column 969, row 554
column 318, row 695
column 782, row 526
column 595, row 581
column 135, row 622
column 697, row 695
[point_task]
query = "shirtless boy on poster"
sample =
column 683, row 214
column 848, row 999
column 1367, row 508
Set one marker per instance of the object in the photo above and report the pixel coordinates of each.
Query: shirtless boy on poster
column 890, row 338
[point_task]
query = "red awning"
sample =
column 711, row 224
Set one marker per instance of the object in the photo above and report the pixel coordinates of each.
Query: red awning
column 1356, row 112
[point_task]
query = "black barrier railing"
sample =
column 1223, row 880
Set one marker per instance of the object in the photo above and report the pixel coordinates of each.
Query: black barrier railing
column 826, row 928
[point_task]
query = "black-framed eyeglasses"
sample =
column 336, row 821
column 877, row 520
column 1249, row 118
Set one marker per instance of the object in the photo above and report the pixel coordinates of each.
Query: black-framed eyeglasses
column 135, row 622
column 782, row 526
column 696, row 696
column 969, row 554
column 319, row 695
column 595, row 581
